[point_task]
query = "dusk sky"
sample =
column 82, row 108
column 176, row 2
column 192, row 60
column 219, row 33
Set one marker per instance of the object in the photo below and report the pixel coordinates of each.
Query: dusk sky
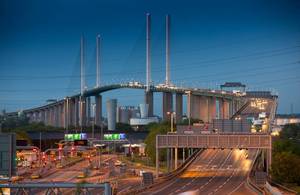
column 255, row 42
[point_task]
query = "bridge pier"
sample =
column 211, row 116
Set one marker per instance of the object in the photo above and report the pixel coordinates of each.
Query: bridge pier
column 82, row 107
column 51, row 116
column 194, row 105
column 98, row 110
column 76, row 111
column 149, row 101
column 88, row 110
column 226, row 108
column 204, row 110
column 178, row 107
column 167, row 105
column 43, row 117
column 56, row 117
column 211, row 109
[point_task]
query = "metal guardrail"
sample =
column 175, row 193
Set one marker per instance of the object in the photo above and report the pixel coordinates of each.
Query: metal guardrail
column 169, row 176
column 249, row 182
column 281, row 187
column 51, row 187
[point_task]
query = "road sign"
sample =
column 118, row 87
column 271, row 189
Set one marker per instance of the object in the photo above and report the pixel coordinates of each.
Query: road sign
column 7, row 154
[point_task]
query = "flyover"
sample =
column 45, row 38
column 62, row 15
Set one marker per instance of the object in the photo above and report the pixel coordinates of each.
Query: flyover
column 75, row 110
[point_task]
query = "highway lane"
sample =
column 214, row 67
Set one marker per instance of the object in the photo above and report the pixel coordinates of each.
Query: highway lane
column 69, row 174
column 208, row 157
column 213, row 172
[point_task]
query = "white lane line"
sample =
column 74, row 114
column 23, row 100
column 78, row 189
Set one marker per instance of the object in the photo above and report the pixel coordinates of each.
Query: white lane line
column 219, row 167
column 232, row 174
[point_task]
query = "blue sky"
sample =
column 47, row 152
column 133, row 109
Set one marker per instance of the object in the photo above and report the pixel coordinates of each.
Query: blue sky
column 256, row 42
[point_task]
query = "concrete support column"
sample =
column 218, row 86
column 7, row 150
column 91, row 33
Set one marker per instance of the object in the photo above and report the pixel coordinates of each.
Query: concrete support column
column 82, row 112
column 195, row 107
column 149, row 101
column 226, row 109
column 183, row 155
column 167, row 105
column 46, row 116
column 221, row 108
column 65, row 122
column 203, row 108
column 71, row 113
column 43, row 117
column 176, row 158
column 52, row 116
column 231, row 108
column 98, row 110
column 88, row 110
column 57, row 115
column 211, row 109
column 76, row 112
column 36, row 117
column 63, row 117
column 178, row 107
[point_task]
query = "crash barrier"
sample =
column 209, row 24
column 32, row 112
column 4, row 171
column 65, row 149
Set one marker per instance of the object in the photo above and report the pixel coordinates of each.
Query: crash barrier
column 54, row 188
column 281, row 187
column 166, row 177
column 249, row 182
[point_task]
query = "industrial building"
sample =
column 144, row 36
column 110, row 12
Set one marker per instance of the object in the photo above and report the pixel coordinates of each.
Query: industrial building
column 111, row 106
column 125, row 113
column 144, row 118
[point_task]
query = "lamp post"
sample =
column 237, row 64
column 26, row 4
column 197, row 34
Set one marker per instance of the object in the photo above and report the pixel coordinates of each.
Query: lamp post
column 170, row 151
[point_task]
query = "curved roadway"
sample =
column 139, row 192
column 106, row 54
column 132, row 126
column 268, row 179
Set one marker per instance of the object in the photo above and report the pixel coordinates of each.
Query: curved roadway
column 212, row 172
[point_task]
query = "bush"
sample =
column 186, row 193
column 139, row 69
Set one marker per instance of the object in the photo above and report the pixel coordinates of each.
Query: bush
column 150, row 140
column 285, row 168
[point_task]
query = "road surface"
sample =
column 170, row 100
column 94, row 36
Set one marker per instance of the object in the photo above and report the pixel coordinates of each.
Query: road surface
column 212, row 172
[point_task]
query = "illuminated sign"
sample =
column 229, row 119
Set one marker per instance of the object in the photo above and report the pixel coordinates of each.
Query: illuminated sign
column 76, row 136
column 80, row 142
column 114, row 136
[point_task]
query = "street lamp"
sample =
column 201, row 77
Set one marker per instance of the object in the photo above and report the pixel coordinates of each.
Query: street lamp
column 173, row 115
column 170, row 151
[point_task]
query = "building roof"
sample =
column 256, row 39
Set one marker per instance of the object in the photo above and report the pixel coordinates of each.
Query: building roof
column 297, row 115
column 233, row 84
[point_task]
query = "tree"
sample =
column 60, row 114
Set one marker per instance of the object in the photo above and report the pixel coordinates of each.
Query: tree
column 186, row 121
column 290, row 131
column 150, row 141
column 124, row 127
column 285, row 167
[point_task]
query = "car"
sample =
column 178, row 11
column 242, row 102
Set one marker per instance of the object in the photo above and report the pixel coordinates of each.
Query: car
column 59, row 166
column 35, row 176
column 119, row 163
column 82, row 174
column 141, row 172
